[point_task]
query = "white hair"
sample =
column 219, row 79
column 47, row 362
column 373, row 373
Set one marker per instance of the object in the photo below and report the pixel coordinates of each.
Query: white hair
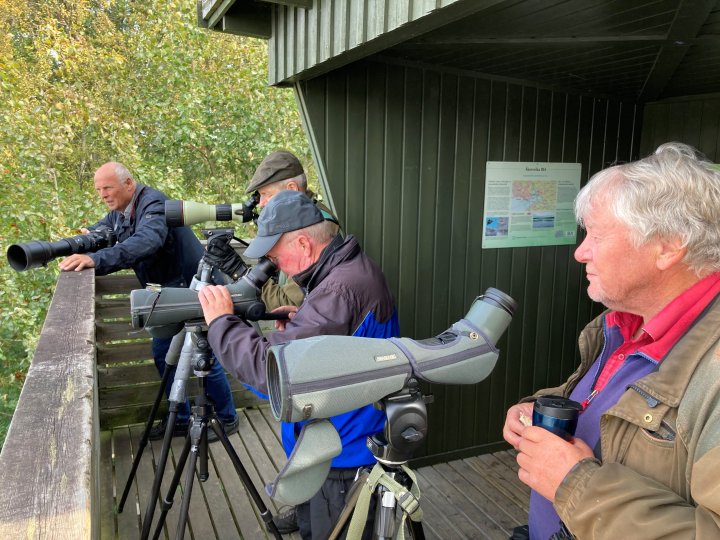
column 673, row 193
column 300, row 180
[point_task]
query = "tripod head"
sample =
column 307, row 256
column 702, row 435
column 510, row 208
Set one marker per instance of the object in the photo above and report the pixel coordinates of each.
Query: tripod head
column 405, row 425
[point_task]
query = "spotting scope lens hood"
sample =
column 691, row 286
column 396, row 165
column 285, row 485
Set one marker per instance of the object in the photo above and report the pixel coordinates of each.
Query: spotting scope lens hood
column 323, row 376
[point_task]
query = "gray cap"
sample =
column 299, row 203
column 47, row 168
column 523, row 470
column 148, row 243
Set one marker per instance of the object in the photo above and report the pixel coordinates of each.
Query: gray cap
column 278, row 165
column 287, row 211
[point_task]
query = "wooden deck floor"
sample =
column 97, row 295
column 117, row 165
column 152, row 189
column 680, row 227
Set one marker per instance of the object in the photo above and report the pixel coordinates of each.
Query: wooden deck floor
column 478, row 497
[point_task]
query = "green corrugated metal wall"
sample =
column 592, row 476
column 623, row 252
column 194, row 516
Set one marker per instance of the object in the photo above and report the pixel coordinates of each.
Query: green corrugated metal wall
column 403, row 151
column 692, row 120
column 305, row 38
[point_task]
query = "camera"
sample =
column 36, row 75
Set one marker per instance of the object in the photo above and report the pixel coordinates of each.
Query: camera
column 179, row 213
column 38, row 252
column 163, row 312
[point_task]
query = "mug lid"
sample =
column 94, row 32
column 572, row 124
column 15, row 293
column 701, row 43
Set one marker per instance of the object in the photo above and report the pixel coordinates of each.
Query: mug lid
column 557, row 407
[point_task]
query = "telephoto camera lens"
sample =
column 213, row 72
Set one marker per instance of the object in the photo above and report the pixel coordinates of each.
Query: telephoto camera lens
column 557, row 414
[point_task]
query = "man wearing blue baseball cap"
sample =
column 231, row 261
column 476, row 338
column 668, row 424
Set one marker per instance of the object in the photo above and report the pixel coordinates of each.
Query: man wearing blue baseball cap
column 346, row 294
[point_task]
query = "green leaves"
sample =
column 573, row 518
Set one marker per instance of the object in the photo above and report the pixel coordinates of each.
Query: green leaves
column 83, row 82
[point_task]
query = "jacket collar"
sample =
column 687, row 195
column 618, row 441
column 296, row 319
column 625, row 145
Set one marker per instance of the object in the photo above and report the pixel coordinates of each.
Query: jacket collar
column 338, row 250
column 669, row 382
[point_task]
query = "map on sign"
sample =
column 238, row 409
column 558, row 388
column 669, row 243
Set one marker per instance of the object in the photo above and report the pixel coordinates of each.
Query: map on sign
column 533, row 196
column 530, row 204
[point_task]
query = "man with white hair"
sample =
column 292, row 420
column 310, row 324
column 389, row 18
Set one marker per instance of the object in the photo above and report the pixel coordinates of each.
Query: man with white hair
column 645, row 459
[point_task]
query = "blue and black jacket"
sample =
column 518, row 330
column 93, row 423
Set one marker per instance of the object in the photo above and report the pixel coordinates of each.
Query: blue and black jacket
column 346, row 295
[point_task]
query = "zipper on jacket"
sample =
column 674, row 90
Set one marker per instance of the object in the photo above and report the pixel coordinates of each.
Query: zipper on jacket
column 651, row 401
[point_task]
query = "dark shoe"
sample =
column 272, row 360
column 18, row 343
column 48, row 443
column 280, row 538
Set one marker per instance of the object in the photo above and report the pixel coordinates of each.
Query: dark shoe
column 228, row 427
column 286, row 520
column 157, row 432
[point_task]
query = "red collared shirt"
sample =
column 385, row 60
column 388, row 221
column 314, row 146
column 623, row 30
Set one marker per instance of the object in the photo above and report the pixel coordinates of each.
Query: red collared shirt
column 662, row 331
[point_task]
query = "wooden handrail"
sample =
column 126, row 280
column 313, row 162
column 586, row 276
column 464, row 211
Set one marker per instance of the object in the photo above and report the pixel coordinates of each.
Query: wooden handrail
column 49, row 461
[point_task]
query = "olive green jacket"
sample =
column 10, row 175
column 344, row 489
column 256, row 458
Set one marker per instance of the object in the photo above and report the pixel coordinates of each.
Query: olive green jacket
column 275, row 295
column 660, row 470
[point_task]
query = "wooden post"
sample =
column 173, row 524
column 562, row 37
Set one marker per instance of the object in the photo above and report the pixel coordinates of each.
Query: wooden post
column 49, row 460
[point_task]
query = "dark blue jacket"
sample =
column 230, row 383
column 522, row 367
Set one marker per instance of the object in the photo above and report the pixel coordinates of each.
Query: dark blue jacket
column 346, row 295
column 168, row 256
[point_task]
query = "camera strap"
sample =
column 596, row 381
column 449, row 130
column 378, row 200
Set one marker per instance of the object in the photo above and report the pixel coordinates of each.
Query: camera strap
column 409, row 501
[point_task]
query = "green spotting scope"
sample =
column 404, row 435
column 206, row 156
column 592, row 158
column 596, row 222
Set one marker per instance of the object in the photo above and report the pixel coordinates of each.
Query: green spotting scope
column 163, row 312
column 179, row 213
column 322, row 376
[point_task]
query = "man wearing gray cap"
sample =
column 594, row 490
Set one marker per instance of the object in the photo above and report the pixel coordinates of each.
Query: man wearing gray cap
column 346, row 294
column 281, row 171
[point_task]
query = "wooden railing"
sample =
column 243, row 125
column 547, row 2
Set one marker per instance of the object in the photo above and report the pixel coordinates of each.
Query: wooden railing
column 49, row 462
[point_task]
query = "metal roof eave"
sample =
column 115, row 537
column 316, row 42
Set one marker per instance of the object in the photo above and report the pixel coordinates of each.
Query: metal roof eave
column 336, row 45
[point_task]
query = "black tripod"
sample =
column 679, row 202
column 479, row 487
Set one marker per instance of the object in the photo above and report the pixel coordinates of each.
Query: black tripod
column 394, row 483
column 171, row 360
column 196, row 352
column 203, row 277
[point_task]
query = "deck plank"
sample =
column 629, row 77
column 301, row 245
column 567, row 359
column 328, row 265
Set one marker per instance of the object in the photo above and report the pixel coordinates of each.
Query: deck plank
column 498, row 470
column 475, row 498
column 107, row 527
column 470, row 522
column 128, row 522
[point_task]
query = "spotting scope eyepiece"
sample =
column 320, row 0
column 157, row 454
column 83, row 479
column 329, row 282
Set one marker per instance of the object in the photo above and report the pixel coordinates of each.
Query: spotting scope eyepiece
column 36, row 253
column 163, row 312
column 323, row 376
column 179, row 213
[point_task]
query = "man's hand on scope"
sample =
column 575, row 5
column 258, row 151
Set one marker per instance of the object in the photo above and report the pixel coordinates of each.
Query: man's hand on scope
column 78, row 261
column 215, row 301
column 290, row 310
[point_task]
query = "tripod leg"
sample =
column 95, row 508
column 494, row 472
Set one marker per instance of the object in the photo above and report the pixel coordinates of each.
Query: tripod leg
column 168, row 500
column 384, row 513
column 145, row 437
column 187, row 493
column 244, row 477
column 147, row 521
column 350, row 505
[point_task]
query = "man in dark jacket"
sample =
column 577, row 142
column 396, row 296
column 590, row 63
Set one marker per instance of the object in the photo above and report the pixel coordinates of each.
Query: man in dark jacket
column 165, row 256
column 346, row 294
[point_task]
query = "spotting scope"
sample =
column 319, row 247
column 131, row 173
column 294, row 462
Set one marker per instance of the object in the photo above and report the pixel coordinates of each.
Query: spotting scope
column 163, row 312
column 179, row 213
column 39, row 252
column 323, row 376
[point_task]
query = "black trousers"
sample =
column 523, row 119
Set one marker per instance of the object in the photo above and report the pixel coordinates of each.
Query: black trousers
column 316, row 518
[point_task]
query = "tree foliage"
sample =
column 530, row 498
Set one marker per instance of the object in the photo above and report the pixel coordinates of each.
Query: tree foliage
column 83, row 82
